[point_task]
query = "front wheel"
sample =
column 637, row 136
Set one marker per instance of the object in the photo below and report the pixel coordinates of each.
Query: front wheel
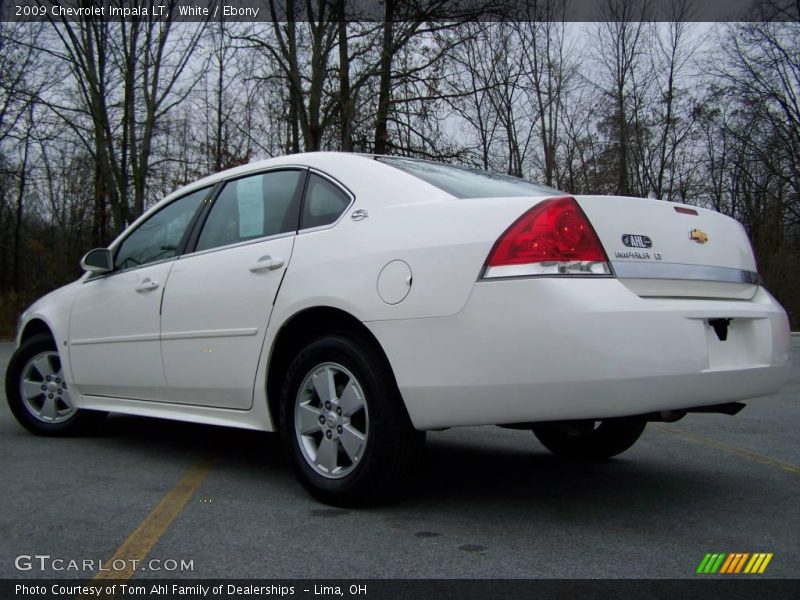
column 589, row 439
column 38, row 394
column 344, row 423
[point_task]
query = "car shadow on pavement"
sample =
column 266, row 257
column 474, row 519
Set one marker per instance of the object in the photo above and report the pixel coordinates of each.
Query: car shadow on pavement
column 530, row 483
column 457, row 474
column 160, row 436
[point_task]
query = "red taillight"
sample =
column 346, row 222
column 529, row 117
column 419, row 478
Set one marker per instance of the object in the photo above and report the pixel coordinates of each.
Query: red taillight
column 554, row 231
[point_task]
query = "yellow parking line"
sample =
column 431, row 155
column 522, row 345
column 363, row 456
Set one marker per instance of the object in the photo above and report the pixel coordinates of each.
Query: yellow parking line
column 754, row 456
column 149, row 531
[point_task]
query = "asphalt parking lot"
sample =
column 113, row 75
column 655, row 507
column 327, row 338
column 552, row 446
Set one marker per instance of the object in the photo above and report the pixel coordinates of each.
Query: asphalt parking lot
column 489, row 503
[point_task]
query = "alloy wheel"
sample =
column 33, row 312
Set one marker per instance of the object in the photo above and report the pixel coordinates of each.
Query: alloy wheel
column 43, row 389
column 331, row 420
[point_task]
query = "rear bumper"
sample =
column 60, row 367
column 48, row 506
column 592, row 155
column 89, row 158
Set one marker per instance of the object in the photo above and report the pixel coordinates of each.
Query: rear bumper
column 551, row 349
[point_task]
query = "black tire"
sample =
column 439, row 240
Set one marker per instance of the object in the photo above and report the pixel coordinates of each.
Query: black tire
column 81, row 421
column 392, row 448
column 589, row 439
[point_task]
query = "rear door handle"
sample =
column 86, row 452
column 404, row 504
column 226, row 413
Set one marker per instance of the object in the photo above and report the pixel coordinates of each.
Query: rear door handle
column 147, row 285
column 266, row 263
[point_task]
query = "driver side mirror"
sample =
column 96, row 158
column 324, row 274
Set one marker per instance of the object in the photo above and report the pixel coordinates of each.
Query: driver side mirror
column 98, row 261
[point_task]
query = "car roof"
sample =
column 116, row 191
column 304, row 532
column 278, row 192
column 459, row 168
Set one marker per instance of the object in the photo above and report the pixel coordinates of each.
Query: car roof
column 321, row 160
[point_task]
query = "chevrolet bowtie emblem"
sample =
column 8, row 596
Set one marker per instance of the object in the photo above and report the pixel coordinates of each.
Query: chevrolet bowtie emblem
column 699, row 236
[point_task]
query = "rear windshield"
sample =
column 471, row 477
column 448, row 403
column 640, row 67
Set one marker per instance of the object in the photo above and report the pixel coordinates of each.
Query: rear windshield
column 463, row 182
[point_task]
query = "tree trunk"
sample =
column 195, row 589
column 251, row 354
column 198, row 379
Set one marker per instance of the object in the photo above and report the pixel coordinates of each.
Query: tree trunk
column 16, row 269
column 622, row 142
column 346, row 108
column 100, row 220
column 294, row 94
column 385, row 82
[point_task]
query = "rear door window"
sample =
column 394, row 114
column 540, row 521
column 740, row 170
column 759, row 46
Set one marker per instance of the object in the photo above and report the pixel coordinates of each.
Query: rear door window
column 254, row 207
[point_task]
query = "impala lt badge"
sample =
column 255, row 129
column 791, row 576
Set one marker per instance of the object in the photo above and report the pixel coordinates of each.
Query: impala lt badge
column 699, row 236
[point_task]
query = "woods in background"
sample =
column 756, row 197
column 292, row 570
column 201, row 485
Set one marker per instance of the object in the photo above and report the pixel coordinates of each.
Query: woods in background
column 99, row 120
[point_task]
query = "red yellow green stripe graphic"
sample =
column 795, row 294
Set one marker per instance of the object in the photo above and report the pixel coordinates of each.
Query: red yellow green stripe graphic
column 734, row 562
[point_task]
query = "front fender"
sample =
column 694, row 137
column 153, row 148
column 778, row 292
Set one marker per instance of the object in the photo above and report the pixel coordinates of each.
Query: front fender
column 53, row 310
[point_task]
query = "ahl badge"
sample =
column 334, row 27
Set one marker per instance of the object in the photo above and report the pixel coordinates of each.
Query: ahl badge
column 698, row 235
column 636, row 241
column 640, row 244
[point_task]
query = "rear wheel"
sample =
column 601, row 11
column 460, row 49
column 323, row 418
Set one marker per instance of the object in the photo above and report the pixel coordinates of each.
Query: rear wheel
column 589, row 438
column 38, row 394
column 344, row 424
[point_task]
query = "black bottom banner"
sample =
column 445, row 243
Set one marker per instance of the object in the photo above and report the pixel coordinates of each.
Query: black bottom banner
column 405, row 589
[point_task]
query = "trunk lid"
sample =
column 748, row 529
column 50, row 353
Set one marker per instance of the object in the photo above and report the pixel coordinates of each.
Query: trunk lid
column 665, row 249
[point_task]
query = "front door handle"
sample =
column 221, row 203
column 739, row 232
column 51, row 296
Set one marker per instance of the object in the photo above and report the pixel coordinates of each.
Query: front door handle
column 266, row 263
column 147, row 285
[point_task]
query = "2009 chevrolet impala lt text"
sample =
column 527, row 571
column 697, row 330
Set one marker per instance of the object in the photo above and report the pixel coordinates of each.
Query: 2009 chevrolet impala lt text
column 353, row 302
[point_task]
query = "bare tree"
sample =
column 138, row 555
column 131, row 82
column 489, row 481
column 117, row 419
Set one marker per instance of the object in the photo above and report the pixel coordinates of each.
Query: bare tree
column 128, row 76
column 622, row 45
column 550, row 67
column 290, row 45
column 405, row 21
column 674, row 48
column 470, row 85
column 24, row 78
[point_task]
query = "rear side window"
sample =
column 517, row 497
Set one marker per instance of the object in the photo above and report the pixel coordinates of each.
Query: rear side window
column 253, row 207
column 324, row 202
column 463, row 182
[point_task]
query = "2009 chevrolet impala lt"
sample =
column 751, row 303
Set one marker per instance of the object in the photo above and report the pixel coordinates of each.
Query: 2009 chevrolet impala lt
column 353, row 302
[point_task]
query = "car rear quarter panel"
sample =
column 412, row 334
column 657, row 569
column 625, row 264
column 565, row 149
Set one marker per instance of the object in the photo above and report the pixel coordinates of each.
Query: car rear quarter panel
column 444, row 242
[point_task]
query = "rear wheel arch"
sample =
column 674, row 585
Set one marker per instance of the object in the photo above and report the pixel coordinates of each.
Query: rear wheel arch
column 301, row 329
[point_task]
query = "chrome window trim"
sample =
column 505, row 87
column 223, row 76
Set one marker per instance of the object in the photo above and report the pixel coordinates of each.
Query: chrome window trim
column 287, row 167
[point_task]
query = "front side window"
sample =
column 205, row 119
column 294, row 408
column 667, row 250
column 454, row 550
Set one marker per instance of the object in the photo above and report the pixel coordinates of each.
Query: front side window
column 159, row 237
column 253, row 207
column 463, row 182
column 324, row 202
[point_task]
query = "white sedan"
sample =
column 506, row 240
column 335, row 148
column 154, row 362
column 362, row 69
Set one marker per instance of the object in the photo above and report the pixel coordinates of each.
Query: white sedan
column 353, row 302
